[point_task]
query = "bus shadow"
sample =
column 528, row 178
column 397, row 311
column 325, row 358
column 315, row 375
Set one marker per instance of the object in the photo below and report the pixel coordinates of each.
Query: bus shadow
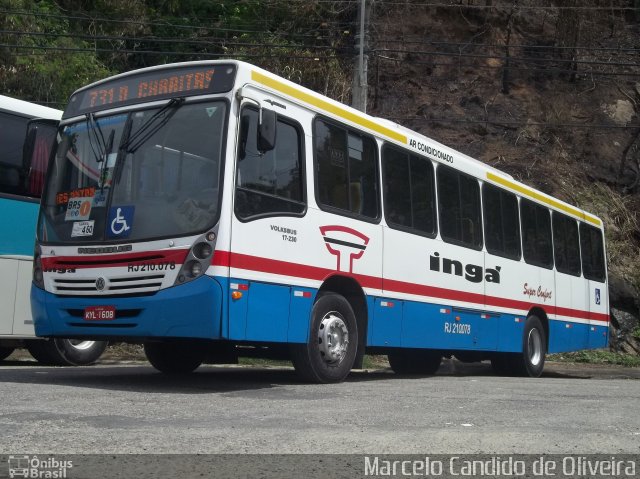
column 225, row 379
column 143, row 378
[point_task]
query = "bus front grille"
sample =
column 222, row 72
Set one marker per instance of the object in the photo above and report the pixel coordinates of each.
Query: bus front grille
column 105, row 285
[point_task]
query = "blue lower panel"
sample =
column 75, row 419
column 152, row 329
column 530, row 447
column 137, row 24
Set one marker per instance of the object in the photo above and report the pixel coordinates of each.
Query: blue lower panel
column 268, row 312
column 598, row 337
column 510, row 332
column 566, row 336
column 192, row 310
column 386, row 326
column 443, row 327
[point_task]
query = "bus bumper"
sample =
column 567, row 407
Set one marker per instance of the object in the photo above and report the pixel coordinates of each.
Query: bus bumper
column 191, row 310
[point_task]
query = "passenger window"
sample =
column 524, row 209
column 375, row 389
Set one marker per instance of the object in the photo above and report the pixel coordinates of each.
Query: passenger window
column 592, row 247
column 566, row 244
column 409, row 191
column 347, row 174
column 501, row 222
column 536, row 234
column 459, row 208
column 269, row 183
column 12, row 172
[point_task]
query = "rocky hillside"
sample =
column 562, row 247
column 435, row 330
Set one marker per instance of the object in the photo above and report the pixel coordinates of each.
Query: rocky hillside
column 548, row 91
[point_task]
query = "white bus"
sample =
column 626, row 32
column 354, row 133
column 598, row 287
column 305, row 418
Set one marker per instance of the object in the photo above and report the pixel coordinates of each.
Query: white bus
column 21, row 182
column 213, row 208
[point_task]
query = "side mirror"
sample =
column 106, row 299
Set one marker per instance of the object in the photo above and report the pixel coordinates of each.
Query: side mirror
column 267, row 130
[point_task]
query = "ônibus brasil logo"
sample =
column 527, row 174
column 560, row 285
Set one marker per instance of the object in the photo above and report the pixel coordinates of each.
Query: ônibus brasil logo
column 346, row 244
column 35, row 467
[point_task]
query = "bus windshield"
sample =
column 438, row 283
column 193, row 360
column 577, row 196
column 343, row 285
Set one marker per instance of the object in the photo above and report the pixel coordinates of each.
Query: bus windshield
column 137, row 176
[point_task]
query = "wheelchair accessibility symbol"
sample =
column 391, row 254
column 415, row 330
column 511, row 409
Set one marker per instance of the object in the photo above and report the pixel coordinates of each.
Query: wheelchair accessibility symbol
column 120, row 221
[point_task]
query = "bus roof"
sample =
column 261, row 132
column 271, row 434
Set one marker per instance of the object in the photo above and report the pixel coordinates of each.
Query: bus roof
column 28, row 109
column 386, row 129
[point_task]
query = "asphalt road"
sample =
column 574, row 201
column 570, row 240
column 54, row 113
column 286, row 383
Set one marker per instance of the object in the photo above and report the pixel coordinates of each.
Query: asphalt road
column 130, row 408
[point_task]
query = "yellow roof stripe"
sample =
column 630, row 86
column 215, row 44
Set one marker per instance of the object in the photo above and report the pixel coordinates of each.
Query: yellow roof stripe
column 543, row 199
column 326, row 106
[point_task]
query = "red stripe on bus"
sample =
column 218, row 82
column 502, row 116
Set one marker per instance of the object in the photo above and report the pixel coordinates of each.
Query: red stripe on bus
column 284, row 268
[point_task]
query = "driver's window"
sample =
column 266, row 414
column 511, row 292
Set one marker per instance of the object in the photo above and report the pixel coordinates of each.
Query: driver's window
column 272, row 182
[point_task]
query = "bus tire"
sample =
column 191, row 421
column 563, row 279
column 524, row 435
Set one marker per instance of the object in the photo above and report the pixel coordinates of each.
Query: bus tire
column 330, row 352
column 5, row 353
column 534, row 349
column 175, row 357
column 415, row 361
column 66, row 352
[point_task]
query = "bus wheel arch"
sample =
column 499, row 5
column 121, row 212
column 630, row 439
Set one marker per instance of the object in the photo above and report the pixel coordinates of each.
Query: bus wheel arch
column 335, row 333
column 351, row 290
column 542, row 316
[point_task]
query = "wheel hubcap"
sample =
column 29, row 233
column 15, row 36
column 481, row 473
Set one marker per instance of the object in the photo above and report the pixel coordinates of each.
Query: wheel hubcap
column 534, row 347
column 333, row 338
column 81, row 345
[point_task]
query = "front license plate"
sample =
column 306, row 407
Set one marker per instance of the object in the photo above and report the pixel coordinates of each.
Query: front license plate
column 99, row 313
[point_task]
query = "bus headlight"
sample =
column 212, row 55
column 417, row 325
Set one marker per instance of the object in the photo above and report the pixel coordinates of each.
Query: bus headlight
column 195, row 269
column 202, row 250
column 199, row 258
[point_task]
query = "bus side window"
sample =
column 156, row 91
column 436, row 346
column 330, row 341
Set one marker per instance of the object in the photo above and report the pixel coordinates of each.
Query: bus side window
column 35, row 164
column 459, row 206
column 269, row 183
column 347, row 176
column 566, row 244
column 592, row 248
column 12, row 173
column 409, row 191
column 536, row 234
column 501, row 222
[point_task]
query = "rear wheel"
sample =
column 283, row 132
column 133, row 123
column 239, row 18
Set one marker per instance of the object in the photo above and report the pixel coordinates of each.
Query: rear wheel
column 66, row 352
column 176, row 357
column 415, row 361
column 5, row 353
column 330, row 352
column 534, row 349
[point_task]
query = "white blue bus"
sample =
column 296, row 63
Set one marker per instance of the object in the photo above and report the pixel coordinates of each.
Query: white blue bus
column 22, row 173
column 211, row 209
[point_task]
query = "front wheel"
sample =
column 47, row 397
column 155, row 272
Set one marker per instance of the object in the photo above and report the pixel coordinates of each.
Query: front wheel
column 66, row 352
column 176, row 357
column 330, row 352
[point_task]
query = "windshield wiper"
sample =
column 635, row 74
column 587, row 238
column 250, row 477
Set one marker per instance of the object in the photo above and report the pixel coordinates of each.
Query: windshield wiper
column 151, row 126
column 94, row 128
column 130, row 143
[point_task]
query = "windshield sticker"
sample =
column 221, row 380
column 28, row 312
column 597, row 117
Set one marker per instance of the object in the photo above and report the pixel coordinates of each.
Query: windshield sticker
column 106, row 173
column 120, row 221
column 63, row 197
column 79, row 209
column 82, row 228
column 100, row 198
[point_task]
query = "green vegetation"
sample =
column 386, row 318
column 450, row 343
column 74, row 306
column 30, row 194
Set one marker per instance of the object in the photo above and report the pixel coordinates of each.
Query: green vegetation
column 597, row 356
column 50, row 48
